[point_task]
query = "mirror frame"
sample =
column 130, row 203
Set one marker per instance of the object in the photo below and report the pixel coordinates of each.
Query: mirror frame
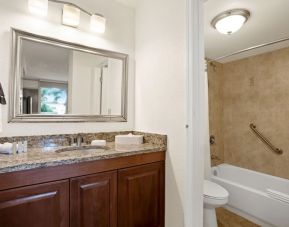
column 14, row 102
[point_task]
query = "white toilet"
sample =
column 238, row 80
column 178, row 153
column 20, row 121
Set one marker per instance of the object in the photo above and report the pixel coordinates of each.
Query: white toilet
column 214, row 196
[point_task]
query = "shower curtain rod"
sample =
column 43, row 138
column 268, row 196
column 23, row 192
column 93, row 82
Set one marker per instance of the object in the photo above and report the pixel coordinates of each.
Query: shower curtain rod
column 248, row 49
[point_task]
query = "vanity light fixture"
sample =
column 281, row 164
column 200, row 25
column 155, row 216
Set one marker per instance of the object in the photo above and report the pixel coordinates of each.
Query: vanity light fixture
column 230, row 21
column 70, row 14
column 38, row 7
column 97, row 23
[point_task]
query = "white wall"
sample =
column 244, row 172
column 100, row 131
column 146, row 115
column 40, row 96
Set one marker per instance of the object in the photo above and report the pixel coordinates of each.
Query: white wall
column 45, row 62
column 161, row 90
column 118, row 37
column 84, row 73
column 113, row 80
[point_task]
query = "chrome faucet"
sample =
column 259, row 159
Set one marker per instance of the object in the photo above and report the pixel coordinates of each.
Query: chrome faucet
column 79, row 140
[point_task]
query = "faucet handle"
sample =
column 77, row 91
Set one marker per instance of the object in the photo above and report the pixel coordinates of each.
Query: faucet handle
column 212, row 140
column 215, row 157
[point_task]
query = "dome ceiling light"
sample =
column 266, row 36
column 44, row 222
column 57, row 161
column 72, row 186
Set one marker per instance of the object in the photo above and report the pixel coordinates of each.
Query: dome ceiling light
column 230, row 21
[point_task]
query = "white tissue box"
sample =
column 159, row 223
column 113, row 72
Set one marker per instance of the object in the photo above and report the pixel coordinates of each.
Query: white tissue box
column 129, row 139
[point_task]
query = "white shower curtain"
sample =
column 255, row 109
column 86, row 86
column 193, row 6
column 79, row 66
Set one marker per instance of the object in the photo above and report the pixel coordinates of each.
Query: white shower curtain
column 206, row 146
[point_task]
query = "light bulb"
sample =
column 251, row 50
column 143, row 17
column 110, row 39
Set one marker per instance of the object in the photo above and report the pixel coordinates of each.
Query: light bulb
column 230, row 21
column 97, row 23
column 230, row 24
column 38, row 7
column 70, row 15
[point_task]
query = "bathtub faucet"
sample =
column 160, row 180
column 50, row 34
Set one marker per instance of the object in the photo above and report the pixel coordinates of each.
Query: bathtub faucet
column 215, row 157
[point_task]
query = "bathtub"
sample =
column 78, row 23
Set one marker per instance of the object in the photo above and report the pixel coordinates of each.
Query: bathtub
column 261, row 198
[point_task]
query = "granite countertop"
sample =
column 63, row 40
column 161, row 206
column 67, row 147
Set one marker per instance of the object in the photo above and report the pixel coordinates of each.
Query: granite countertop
column 47, row 157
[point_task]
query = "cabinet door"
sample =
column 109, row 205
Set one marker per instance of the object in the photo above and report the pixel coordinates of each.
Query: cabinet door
column 141, row 196
column 45, row 205
column 93, row 200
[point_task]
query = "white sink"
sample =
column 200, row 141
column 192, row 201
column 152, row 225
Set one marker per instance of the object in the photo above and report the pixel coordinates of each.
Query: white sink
column 82, row 148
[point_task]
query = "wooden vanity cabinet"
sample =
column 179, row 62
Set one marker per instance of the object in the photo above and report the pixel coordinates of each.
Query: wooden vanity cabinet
column 44, row 205
column 131, row 197
column 93, row 200
column 121, row 192
column 141, row 196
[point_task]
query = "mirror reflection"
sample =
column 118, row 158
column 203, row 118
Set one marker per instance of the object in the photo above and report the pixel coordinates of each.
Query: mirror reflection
column 57, row 80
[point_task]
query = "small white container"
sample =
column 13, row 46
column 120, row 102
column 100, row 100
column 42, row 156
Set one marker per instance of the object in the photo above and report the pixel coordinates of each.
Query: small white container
column 14, row 148
column 25, row 146
column 98, row 143
column 20, row 147
column 129, row 139
column 6, row 148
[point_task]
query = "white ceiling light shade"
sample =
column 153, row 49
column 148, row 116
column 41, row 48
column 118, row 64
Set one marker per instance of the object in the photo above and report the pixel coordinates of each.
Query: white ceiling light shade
column 70, row 15
column 230, row 21
column 97, row 23
column 38, row 7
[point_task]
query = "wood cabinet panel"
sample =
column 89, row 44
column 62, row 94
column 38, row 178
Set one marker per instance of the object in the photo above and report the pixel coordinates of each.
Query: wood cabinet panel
column 56, row 173
column 123, row 192
column 141, row 196
column 94, row 200
column 44, row 205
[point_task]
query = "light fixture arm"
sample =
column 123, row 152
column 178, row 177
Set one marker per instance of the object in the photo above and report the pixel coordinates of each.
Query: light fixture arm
column 72, row 4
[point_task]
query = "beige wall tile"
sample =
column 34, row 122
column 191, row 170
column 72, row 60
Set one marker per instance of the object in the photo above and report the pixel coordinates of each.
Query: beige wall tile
column 252, row 90
column 215, row 71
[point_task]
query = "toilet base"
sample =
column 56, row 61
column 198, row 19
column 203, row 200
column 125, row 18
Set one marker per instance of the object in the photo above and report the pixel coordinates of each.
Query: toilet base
column 210, row 218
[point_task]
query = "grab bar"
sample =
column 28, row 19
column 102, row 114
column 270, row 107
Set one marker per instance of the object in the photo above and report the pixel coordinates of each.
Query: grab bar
column 265, row 140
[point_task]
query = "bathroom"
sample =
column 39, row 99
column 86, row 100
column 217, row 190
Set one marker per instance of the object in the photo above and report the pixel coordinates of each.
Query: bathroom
column 247, row 93
column 78, row 77
column 108, row 119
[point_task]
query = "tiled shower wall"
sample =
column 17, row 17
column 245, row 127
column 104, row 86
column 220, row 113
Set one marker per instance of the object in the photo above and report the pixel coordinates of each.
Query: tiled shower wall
column 252, row 90
column 215, row 72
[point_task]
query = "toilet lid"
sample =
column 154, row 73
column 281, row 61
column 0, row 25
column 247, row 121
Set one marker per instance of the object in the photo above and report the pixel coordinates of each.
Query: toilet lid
column 213, row 190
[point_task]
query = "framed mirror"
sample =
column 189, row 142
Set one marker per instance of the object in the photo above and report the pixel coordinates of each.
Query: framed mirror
column 57, row 81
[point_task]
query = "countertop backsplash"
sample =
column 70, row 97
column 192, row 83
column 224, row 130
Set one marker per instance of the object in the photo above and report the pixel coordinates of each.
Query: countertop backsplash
column 65, row 139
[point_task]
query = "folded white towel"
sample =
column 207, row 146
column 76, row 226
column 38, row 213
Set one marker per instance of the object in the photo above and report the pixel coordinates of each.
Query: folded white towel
column 6, row 148
column 98, row 143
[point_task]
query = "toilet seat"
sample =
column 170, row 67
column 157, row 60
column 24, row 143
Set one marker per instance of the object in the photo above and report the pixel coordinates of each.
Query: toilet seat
column 214, row 191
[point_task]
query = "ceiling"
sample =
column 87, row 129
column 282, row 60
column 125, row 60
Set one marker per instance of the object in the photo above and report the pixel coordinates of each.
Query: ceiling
column 45, row 61
column 48, row 62
column 268, row 22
